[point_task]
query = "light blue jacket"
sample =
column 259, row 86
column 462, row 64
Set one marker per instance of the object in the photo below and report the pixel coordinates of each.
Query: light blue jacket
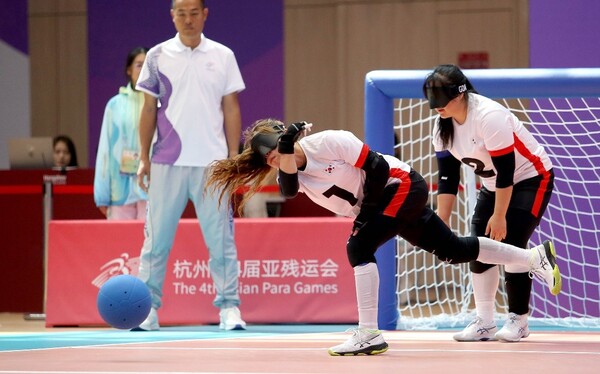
column 119, row 132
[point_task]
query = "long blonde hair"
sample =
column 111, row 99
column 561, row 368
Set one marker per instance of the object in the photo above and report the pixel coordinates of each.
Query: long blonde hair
column 246, row 170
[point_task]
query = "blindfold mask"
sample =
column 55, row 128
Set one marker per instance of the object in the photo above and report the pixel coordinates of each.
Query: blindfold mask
column 264, row 143
column 439, row 97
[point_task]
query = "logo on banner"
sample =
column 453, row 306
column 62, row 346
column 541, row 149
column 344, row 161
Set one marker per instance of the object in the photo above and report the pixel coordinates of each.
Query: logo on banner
column 117, row 266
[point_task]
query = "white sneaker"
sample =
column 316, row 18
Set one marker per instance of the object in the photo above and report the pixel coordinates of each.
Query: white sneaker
column 515, row 328
column 150, row 323
column 543, row 265
column 231, row 319
column 477, row 331
column 362, row 342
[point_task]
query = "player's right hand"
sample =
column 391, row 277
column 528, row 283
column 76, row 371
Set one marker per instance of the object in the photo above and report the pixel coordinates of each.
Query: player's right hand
column 291, row 135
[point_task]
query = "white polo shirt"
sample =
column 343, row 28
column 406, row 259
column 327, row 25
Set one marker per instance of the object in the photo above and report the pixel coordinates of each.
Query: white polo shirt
column 190, row 85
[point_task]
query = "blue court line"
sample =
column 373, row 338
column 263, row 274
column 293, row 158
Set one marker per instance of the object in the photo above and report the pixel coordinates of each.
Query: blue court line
column 64, row 339
column 79, row 337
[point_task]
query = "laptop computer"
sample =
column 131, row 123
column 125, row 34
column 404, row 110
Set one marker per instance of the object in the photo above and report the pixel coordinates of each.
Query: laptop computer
column 30, row 153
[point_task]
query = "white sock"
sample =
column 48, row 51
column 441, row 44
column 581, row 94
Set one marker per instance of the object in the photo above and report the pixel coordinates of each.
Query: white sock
column 485, row 286
column 494, row 252
column 518, row 268
column 366, row 278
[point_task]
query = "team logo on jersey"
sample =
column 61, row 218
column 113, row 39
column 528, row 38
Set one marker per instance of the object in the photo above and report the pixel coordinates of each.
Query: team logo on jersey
column 329, row 169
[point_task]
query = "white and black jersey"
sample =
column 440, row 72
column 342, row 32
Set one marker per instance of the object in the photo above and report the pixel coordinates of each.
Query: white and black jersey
column 333, row 177
column 491, row 130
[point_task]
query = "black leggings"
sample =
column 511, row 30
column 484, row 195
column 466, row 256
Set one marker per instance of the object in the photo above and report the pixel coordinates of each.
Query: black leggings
column 416, row 223
column 521, row 222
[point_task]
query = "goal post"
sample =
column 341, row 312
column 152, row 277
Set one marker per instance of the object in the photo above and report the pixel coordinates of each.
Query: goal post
column 561, row 107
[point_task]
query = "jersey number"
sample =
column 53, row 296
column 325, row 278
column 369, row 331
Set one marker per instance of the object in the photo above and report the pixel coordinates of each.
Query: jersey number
column 341, row 193
column 478, row 166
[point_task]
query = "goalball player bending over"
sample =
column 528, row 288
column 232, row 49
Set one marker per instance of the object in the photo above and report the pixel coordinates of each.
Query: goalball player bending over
column 384, row 195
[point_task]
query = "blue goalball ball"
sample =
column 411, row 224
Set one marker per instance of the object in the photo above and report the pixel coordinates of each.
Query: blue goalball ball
column 124, row 301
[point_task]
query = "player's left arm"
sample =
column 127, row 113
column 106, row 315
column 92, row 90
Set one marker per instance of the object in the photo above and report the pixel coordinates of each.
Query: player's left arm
column 498, row 135
column 504, row 163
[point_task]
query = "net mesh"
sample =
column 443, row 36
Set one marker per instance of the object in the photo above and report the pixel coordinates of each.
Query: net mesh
column 433, row 294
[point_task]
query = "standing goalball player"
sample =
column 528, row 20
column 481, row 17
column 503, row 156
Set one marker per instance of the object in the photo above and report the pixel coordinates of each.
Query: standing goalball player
column 517, row 178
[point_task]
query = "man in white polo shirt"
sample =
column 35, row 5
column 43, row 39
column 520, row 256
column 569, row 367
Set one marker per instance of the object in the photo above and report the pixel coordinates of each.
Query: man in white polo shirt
column 191, row 86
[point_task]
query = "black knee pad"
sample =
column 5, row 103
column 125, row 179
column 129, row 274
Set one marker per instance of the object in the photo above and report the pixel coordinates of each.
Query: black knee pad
column 359, row 252
column 479, row 267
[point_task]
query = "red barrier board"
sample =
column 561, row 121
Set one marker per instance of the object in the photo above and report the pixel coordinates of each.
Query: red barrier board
column 292, row 270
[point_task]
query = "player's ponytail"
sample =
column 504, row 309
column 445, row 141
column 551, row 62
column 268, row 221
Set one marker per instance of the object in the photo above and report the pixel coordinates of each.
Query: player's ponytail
column 246, row 172
column 446, row 132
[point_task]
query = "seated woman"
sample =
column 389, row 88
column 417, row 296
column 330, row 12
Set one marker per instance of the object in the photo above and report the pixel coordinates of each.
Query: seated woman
column 65, row 155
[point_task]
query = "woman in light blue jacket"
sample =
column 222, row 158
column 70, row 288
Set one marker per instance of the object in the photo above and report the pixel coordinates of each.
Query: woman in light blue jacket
column 116, row 191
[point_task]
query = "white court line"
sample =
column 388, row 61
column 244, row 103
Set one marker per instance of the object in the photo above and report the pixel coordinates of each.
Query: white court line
column 410, row 350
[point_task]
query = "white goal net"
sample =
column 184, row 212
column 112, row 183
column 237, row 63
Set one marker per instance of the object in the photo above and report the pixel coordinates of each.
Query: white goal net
column 565, row 119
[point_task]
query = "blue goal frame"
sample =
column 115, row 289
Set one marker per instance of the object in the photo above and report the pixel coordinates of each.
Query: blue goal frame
column 382, row 87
